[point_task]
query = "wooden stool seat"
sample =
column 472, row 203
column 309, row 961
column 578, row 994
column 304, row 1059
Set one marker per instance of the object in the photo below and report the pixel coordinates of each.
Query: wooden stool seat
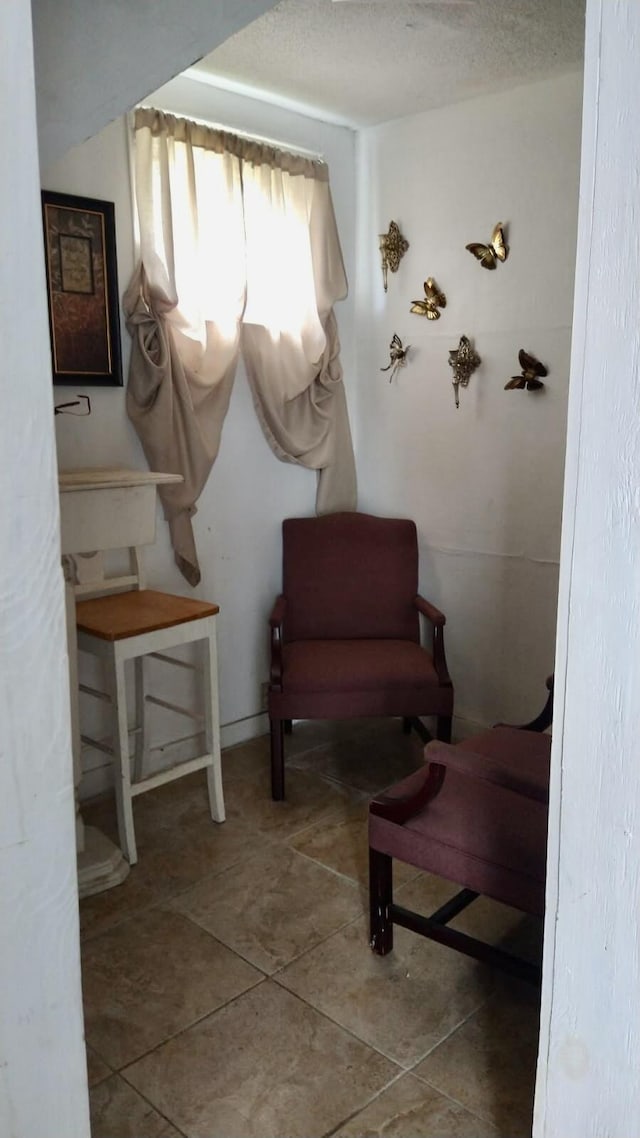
column 138, row 612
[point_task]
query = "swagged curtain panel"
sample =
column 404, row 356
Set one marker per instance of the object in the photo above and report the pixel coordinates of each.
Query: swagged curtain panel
column 239, row 251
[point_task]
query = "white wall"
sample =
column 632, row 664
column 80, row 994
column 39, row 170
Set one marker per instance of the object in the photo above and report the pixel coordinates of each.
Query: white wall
column 42, row 1060
column 588, row 1084
column 249, row 492
column 484, row 482
column 95, row 60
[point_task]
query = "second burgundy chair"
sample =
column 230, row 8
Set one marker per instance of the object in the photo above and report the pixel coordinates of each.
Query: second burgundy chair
column 345, row 632
column 475, row 815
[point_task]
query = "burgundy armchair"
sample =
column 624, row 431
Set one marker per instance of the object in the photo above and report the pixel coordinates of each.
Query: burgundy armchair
column 345, row 632
column 476, row 815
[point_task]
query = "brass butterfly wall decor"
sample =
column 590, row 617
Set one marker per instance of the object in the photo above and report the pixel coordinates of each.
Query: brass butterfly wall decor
column 393, row 247
column 464, row 361
column 496, row 250
column 531, row 370
column 397, row 356
column 433, row 301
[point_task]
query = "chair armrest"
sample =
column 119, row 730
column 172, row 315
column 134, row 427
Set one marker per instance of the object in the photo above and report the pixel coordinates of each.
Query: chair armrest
column 430, row 611
column 485, row 769
column 401, row 807
column 277, row 612
column 445, row 756
column 541, row 721
column 438, row 621
column 275, row 623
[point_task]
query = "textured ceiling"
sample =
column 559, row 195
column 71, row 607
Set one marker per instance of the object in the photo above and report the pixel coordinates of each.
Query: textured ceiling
column 366, row 61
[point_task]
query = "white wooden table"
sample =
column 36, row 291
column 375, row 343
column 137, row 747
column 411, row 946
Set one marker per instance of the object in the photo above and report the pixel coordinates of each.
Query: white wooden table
column 101, row 509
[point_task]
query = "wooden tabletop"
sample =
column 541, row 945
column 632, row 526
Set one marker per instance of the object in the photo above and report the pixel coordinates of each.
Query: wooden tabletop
column 104, row 478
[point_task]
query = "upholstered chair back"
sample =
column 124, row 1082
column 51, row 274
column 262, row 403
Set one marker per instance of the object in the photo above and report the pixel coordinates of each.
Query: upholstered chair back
column 350, row 576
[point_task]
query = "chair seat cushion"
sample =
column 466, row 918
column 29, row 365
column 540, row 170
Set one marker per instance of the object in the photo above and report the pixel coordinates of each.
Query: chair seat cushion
column 356, row 665
column 480, row 836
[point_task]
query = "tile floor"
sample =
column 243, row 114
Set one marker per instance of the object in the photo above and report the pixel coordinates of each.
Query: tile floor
column 229, row 988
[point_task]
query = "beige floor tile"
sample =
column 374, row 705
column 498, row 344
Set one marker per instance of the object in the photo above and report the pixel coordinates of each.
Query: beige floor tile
column 174, row 806
column 265, row 1066
column 526, row 938
column 486, row 919
column 246, row 760
column 117, row 1111
column 254, row 756
column 272, row 907
column 489, row 1063
column 264, row 1062
column 308, row 799
column 170, row 859
column 375, row 758
column 309, row 733
column 97, row 1069
column 151, row 977
column 496, row 924
column 342, row 844
column 409, row 1109
column 403, row 1003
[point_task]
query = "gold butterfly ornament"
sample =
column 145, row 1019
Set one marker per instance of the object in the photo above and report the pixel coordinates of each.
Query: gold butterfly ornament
column 463, row 361
column 397, row 356
column 532, row 369
column 433, row 301
column 496, row 250
column 393, row 247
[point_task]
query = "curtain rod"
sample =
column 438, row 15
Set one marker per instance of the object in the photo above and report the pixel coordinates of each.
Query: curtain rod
column 301, row 150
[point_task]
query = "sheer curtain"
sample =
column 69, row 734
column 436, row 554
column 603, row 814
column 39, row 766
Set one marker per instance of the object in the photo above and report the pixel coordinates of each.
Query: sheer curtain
column 233, row 231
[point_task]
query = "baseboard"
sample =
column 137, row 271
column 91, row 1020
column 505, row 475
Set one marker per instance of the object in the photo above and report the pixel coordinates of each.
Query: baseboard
column 97, row 773
column 464, row 728
column 95, row 782
column 244, row 729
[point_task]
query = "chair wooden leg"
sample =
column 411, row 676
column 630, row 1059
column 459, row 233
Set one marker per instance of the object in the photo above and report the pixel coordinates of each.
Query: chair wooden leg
column 288, row 726
column 380, row 898
column 141, row 760
column 212, row 724
column 277, row 760
column 421, row 731
column 406, row 725
column 443, row 729
column 122, row 771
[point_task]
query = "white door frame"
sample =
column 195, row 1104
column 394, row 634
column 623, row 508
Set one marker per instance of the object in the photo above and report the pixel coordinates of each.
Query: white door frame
column 588, row 1077
column 43, row 1077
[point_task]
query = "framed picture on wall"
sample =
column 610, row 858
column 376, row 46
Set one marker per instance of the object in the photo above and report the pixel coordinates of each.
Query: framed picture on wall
column 82, row 289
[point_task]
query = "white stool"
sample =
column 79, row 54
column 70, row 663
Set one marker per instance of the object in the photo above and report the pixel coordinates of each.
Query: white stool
column 134, row 625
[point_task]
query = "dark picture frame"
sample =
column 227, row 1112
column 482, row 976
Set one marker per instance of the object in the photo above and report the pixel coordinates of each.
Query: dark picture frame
column 82, row 290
